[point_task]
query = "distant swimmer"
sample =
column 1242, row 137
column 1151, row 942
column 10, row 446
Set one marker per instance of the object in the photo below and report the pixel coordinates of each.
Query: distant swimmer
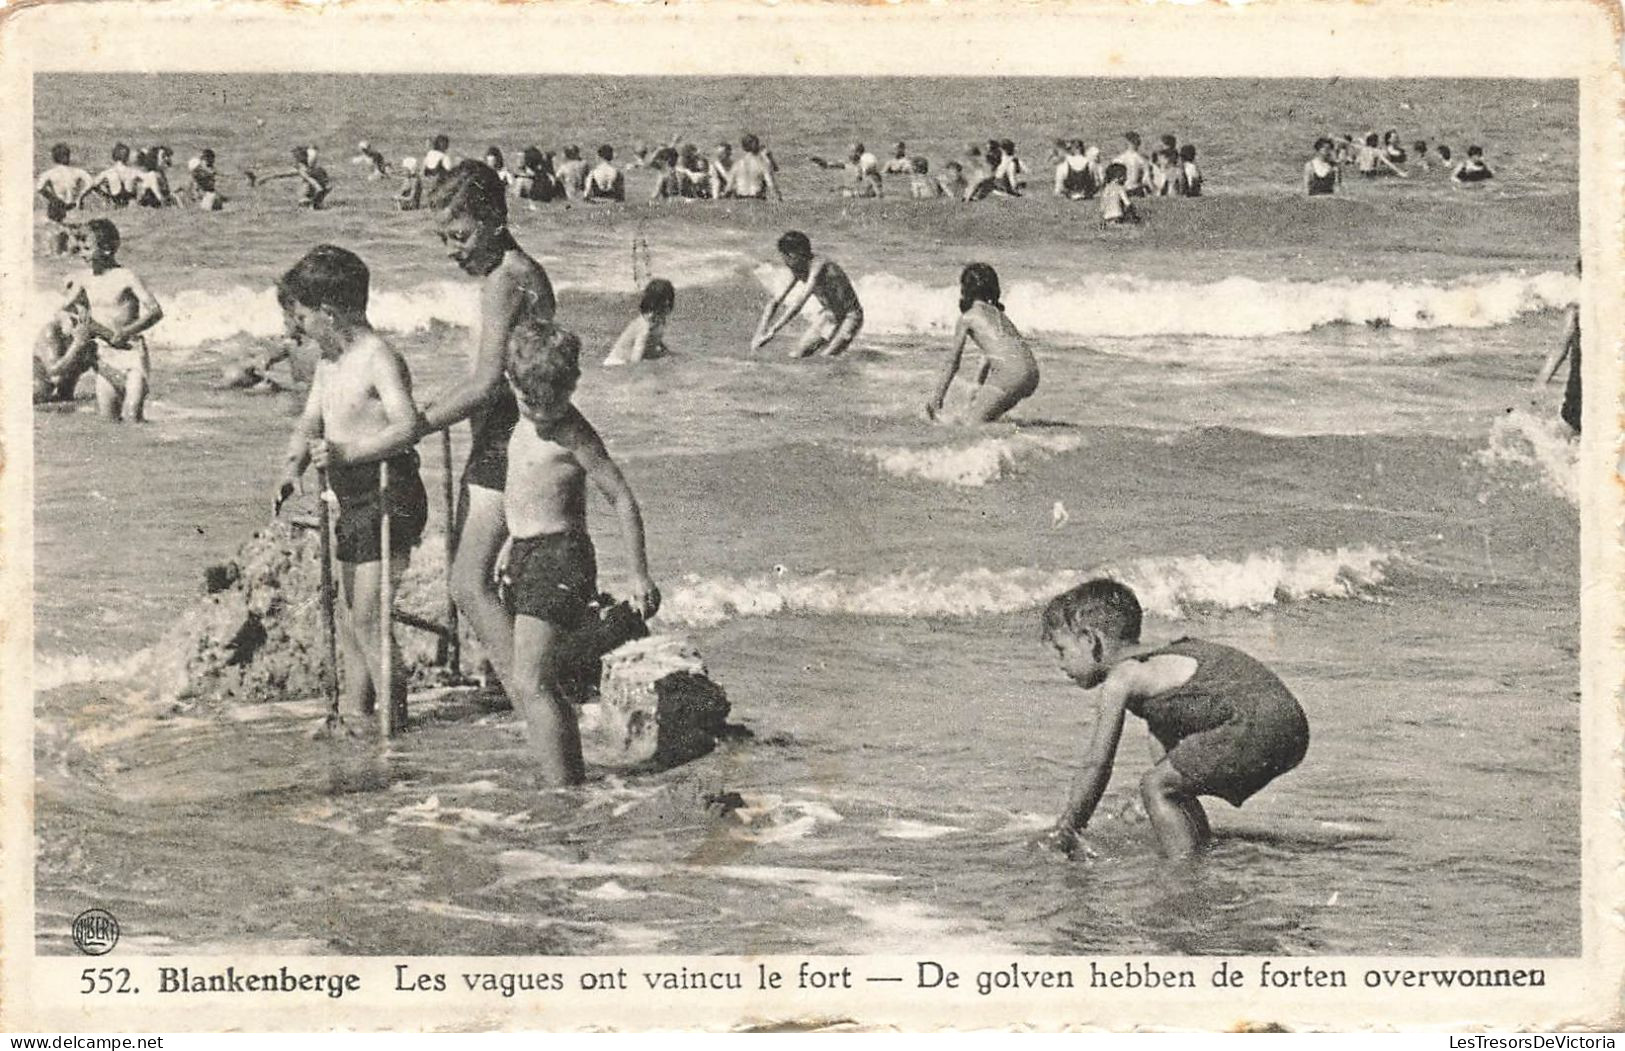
column 605, row 182
column 499, row 164
column 205, row 180
column 1223, row 723
column 62, row 185
column 370, row 158
column 920, row 184
column 1391, row 147
column 1077, row 176
column 812, row 277
column 314, row 183
column 751, row 177
column 1167, row 173
column 900, row 163
column 645, row 337
column 1372, row 161
column 1473, row 169
column 1136, row 170
column 863, row 169
column 572, row 174
column 1008, row 372
column 471, row 213
column 409, row 196
column 117, row 308
column 359, row 415
column 437, row 162
column 552, row 565
column 1115, row 207
column 719, row 173
column 1321, row 176
column 1193, row 174
column 1011, row 176
column 951, row 183
column 1568, row 349
column 152, row 189
column 119, row 182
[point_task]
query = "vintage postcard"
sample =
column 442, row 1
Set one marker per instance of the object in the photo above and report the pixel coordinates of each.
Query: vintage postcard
column 649, row 516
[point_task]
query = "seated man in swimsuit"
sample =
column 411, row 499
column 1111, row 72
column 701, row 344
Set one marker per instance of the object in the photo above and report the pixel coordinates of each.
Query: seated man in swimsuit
column 63, row 186
column 751, row 176
column 815, row 277
column 359, row 414
column 1225, row 724
column 117, row 309
column 605, row 181
column 119, row 181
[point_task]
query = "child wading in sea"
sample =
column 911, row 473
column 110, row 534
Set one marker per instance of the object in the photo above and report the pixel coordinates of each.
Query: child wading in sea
column 1227, row 725
column 553, row 453
column 645, row 336
column 817, row 277
column 117, row 309
column 360, row 412
column 1008, row 373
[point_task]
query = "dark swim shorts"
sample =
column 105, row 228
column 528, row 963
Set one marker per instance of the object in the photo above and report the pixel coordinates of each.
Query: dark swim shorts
column 1236, row 759
column 488, row 455
column 554, row 577
column 361, row 511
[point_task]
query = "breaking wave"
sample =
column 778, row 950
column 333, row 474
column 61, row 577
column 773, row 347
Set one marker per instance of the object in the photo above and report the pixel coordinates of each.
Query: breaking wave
column 1167, row 587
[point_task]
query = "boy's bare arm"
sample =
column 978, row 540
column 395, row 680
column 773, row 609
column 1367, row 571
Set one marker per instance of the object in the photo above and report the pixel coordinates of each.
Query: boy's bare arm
column 765, row 329
column 500, row 300
column 151, row 313
column 1093, row 776
column 794, row 304
column 607, row 477
column 1571, row 329
column 306, row 430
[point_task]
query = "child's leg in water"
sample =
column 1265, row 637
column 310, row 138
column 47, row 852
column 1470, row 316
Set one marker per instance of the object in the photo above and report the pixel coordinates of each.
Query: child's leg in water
column 550, row 720
column 1177, row 818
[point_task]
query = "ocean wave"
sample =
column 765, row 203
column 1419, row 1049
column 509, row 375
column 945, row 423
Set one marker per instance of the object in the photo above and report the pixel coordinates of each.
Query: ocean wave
column 195, row 316
column 53, row 671
column 1240, row 307
column 1170, row 587
column 1520, row 439
column 974, row 464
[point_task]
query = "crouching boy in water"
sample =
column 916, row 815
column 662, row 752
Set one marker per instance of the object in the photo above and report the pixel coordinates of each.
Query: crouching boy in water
column 1228, row 726
column 360, row 412
column 817, row 277
column 552, row 454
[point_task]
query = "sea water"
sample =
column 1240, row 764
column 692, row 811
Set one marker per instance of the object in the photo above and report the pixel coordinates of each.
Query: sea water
column 1299, row 427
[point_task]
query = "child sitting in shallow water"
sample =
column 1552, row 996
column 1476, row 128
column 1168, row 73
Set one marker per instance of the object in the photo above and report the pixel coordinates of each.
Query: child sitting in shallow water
column 645, row 336
column 1226, row 724
column 1115, row 207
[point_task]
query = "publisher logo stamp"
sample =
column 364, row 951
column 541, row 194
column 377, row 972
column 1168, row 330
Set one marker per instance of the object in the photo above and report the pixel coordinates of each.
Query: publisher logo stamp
column 95, row 932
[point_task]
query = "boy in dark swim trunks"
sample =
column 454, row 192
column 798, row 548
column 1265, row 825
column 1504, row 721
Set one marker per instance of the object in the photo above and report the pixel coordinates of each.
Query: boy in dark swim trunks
column 359, row 414
column 1227, row 725
column 552, row 455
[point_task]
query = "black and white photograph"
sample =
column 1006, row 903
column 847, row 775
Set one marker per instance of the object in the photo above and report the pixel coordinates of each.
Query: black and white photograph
column 578, row 504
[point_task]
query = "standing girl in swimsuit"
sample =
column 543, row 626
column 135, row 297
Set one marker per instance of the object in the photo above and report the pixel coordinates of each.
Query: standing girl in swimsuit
column 471, row 208
column 1008, row 373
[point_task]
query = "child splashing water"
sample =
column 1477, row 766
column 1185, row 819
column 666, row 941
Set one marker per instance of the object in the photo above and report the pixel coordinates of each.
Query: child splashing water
column 1009, row 372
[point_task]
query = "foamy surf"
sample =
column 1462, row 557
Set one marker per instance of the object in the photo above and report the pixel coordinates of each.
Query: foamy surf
column 1168, row 587
column 1127, row 306
column 1520, row 439
column 971, row 465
